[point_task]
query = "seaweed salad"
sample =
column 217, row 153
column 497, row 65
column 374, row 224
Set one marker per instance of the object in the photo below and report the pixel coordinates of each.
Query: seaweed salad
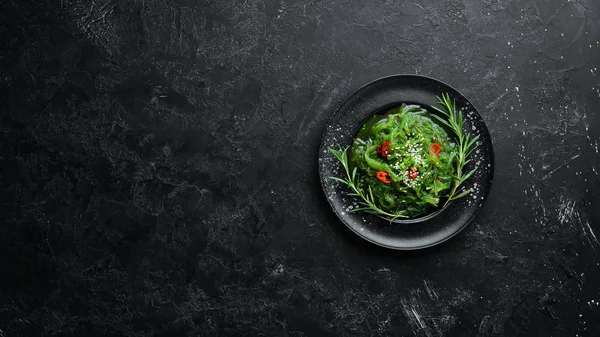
column 409, row 161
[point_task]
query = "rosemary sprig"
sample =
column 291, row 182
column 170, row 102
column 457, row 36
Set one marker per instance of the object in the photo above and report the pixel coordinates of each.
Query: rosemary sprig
column 368, row 202
column 466, row 144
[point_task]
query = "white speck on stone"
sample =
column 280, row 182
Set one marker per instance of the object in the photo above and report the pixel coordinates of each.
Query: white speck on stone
column 278, row 270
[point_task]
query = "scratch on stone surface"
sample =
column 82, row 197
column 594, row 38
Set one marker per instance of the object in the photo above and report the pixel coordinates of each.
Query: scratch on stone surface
column 430, row 291
column 495, row 256
column 579, row 33
column 483, row 324
column 565, row 211
column 556, row 14
column 462, row 296
column 491, row 105
column 301, row 128
column 570, row 69
column 551, row 267
column 418, row 317
column 414, row 318
column 588, row 232
column 101, row 17
column 549, row 174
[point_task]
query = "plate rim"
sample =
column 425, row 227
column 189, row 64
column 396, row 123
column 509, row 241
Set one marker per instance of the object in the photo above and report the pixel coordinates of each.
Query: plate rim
column 343, row 102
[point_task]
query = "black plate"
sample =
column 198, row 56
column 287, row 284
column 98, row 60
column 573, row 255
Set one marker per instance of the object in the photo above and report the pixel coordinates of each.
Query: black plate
column 344, row 125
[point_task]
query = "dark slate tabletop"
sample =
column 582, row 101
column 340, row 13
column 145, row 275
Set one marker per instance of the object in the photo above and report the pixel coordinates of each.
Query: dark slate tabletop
column 158, row 168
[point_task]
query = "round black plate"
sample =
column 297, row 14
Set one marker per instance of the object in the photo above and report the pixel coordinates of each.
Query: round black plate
column 344, row 125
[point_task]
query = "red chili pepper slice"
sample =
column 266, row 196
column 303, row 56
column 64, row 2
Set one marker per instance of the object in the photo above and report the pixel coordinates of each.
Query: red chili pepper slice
column 435, row 148
column 413, row 173
column 384, row 149
column 384, row 177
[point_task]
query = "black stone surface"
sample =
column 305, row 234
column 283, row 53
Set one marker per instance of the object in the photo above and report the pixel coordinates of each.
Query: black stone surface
column 158, row 168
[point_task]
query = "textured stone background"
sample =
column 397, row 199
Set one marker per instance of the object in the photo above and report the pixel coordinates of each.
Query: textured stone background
column 158, row 168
